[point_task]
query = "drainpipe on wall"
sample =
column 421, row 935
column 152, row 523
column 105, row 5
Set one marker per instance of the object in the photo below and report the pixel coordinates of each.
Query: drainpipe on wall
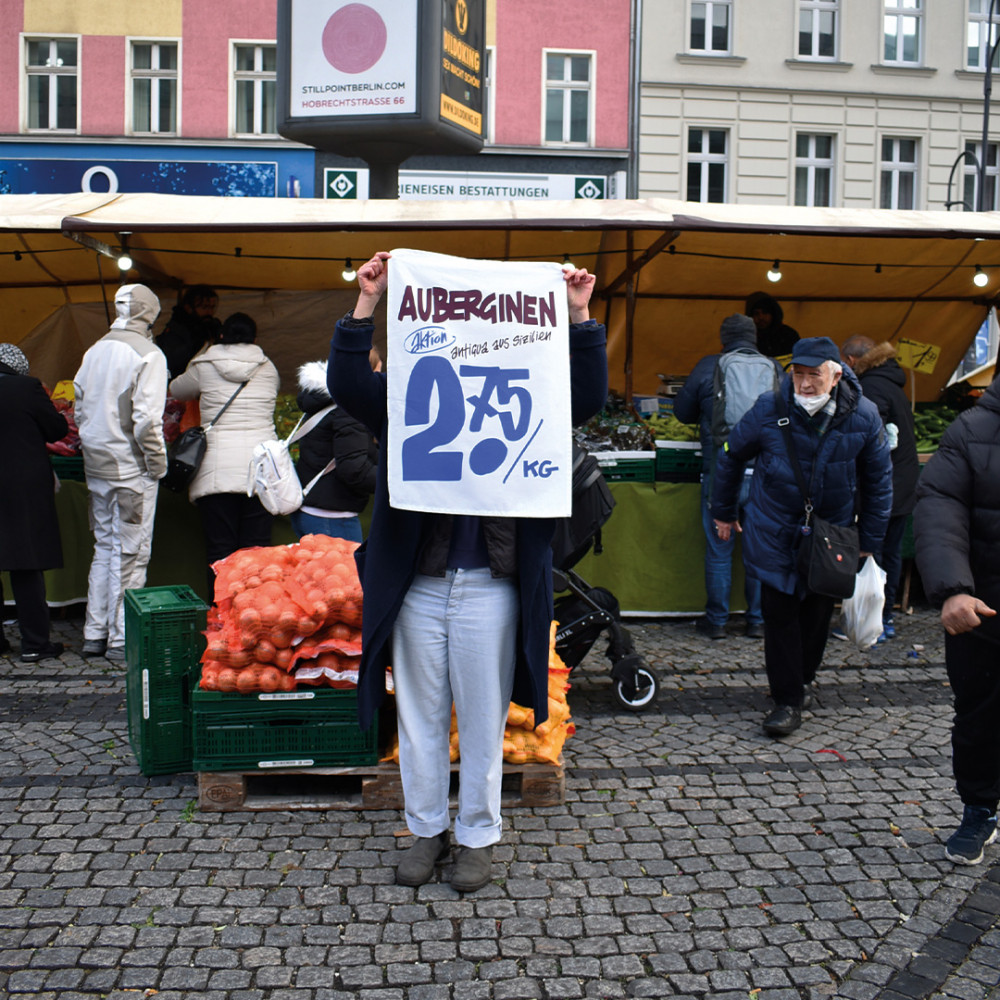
column 635, row 84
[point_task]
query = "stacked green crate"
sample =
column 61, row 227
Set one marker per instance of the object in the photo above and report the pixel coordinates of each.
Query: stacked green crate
column 163, row 647
column 306, row 728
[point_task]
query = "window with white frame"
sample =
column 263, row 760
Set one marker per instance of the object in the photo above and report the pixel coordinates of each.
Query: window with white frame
column 818, row 29
column 902, row 32
column 51, row 66
column 898, row 173
column 255, row 76
column 706, row 164
column 979, row 36
column 991, row 170
column 154, row 69
column 490, row 83
column 813, row 170
column 710, row 26
column 569, row 81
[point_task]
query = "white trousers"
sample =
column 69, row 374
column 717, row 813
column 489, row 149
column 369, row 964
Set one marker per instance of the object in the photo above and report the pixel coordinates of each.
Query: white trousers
column 454, row 640
column 121, row 518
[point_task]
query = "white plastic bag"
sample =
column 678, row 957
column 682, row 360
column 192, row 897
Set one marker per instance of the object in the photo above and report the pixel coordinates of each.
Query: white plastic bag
column 862, row 613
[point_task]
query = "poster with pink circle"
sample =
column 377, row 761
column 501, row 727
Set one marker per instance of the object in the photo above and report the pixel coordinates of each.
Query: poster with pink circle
column 357, row 58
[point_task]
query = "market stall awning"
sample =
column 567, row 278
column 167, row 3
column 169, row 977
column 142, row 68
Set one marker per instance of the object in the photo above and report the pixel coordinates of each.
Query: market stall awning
column 668, row 272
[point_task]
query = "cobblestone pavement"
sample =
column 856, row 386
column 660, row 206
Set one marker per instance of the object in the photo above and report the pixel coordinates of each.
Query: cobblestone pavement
column 693, row 856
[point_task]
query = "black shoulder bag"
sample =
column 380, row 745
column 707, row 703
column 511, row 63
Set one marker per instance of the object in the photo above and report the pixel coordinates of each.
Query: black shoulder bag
column 185, row 455
column 827, row 554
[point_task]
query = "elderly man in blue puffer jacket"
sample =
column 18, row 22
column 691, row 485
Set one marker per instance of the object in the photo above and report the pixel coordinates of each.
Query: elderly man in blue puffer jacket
column 842, row 450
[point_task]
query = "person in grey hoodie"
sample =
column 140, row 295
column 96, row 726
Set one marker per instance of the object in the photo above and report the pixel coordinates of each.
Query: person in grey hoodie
column 120, row 392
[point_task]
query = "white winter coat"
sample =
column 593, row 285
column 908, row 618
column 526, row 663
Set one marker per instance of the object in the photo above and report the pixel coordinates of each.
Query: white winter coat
column 120, row 391
column 212, row 377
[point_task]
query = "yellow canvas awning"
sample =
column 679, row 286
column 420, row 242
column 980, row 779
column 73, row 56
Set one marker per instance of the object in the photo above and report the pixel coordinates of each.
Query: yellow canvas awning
column 668, row 272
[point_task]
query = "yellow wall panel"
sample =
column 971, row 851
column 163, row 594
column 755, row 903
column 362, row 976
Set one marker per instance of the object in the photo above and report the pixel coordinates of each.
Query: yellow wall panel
column 104, row 17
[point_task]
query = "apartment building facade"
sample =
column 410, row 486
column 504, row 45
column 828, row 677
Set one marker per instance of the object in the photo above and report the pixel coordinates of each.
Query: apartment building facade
column 846, row 103
column 179, row 96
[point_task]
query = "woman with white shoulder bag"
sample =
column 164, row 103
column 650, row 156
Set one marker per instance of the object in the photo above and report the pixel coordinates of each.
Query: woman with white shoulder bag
column 338, row 459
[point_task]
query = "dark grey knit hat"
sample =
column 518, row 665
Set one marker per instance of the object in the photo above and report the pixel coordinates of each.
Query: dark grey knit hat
column 737, row 329
column 13, row 357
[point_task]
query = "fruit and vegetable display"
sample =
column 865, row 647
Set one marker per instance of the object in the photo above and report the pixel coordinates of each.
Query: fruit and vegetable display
column 929, row 422
column 666, row 427
column 618, row 427
column 285, row 617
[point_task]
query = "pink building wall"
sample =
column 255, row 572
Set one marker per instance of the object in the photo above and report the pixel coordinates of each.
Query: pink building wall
column 523, row 29
column 102, row 72
column 208, row 29
column 10, row 62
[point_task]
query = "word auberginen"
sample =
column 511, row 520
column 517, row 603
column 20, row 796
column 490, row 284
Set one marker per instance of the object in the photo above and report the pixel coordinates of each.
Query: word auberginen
column 438, row 305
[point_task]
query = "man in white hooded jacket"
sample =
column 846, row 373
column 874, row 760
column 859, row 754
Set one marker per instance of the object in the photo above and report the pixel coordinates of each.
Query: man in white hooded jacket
column 121, row 389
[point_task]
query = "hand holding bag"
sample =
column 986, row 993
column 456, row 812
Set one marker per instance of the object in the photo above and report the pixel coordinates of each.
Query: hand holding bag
column 185, row 455
column 862, row 612
column 827, row 554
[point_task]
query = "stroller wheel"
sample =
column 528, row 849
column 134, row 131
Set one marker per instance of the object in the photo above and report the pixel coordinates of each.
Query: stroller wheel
column 643, row 694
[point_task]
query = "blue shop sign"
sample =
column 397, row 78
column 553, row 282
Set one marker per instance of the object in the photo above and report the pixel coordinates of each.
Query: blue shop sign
column 163, row 170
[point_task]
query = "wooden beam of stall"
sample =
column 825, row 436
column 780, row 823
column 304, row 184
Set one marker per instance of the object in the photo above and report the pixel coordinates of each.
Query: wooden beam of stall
column 641, row 261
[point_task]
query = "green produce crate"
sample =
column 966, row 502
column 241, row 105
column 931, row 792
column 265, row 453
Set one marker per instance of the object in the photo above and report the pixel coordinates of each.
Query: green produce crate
column 163, row 647
column 311, row 728
column 627, row 466
column 678, row 461
column 68, row 467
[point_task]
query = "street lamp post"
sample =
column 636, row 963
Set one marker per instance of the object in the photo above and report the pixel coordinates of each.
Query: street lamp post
column 991, row 48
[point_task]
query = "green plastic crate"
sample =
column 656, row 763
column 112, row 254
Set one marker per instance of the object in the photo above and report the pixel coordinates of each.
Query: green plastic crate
column 627, row 466
column 306, row 728
column 163, row 647
column 678, row 461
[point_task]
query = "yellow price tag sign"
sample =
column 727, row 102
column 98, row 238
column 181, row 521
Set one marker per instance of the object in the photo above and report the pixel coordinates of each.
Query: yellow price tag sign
column 920, row 357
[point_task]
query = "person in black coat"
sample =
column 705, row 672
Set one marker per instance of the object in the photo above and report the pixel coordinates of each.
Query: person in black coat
column 775, row 337
column 29, row 541
column 956, row 527
column 882, row 381
column 191, row 326
column 341, row 491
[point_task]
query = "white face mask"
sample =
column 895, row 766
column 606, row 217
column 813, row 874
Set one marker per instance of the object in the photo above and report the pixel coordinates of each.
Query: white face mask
column 812, row 404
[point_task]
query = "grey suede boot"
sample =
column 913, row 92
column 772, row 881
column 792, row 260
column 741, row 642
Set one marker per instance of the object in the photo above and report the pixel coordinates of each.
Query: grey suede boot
column 472, row 868
column 417, row 863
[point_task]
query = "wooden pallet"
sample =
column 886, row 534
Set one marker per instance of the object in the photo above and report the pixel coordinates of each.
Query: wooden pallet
column 375, row 787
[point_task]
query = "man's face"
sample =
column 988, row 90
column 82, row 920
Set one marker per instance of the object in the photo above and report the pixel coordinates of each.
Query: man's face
column 204, row 308
column 810, row 381
column 762, row 319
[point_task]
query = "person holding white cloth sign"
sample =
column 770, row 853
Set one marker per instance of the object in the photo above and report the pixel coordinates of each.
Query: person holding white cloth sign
column 460, row 604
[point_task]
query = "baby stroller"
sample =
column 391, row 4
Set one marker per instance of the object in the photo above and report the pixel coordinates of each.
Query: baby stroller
column 584, row 612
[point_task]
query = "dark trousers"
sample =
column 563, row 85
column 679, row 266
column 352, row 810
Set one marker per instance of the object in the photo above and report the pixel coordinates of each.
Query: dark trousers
column 892, row 559
column 232, row 521
column 795, row 633
column 974, row 672
column 28, row 586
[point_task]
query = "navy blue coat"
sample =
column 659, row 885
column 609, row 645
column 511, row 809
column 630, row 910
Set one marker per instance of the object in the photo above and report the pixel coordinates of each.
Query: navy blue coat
column 387, row 560
column 853, row 472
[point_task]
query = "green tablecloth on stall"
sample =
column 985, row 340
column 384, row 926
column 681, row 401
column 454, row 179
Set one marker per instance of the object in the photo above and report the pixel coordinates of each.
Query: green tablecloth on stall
column 653, row 559
column 654, row 551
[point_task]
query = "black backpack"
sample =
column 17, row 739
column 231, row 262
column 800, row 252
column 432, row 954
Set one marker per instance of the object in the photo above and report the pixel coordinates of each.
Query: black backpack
column 592, row 506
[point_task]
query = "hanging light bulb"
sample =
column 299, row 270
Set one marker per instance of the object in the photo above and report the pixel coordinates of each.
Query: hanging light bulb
column 980, row 279
column 567, row 264
column 348, row 274
column 124, row 259
column 775, row 273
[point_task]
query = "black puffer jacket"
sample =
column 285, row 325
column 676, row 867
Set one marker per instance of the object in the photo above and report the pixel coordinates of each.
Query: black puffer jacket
column 882, row 381
column 956, row 522
column 339, row 436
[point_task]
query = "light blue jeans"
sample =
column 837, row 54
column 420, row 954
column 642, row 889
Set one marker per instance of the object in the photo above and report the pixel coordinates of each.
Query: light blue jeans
column 336, row 527
column 454, row 640
column 719, row 565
